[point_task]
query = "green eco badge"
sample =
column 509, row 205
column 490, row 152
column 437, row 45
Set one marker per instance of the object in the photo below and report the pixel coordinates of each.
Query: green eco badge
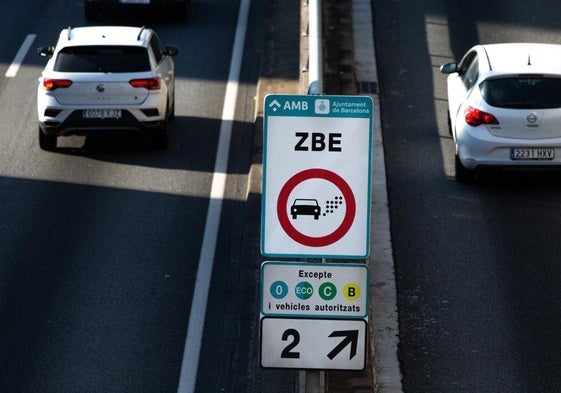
column 304, row 290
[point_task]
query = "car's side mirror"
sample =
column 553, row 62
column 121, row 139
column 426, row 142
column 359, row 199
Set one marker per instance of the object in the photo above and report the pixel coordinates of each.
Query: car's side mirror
column 449, row 68
column 46, row 51
column 171, row 50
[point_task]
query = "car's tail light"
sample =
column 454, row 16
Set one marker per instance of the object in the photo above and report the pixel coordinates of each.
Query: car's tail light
column 476, row 117
column 53, row 84
column 147, row 83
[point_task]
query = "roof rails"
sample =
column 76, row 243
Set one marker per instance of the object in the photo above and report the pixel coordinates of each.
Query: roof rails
column 138, row 38
column 140, row 32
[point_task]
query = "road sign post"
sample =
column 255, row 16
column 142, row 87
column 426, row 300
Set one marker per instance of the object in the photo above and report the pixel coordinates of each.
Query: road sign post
column 316, row 203
column 316, row 176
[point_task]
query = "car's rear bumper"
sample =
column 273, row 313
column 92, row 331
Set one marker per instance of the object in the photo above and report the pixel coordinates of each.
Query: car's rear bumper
column 477, row 147
column 75, row 124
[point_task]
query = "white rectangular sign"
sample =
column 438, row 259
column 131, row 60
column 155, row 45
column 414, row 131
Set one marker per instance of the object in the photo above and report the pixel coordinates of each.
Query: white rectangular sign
column 316, row 176
column 314, row 290
column 313, row 343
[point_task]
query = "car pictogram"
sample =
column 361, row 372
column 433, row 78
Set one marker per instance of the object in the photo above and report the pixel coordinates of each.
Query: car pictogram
column 306, row 207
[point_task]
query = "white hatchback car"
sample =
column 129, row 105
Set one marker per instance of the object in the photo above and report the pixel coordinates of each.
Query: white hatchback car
column 504, row 103
column 104, row 80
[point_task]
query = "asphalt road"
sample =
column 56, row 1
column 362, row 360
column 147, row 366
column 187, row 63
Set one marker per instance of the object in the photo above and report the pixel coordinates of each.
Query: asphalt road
column 100, row 240
column 477, row 266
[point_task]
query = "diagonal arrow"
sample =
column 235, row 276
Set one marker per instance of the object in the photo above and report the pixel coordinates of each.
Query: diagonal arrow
column 351, row 337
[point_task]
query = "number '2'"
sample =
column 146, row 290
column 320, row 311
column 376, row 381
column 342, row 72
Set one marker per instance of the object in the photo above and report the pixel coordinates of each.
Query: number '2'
column 287, row 351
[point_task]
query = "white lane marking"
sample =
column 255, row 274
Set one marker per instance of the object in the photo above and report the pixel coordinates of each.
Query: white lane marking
column 191, row 353
column 18, row 60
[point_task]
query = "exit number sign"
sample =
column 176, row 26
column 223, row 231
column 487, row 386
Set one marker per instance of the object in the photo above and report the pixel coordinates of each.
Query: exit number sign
column 313, row 343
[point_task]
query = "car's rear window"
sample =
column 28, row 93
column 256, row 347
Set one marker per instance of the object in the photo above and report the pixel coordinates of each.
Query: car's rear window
column 522, row 92
column 102, row 59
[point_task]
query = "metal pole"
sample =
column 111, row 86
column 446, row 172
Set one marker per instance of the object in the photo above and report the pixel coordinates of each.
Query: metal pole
column 315, row 382
column 315, row 379
column 315, row 82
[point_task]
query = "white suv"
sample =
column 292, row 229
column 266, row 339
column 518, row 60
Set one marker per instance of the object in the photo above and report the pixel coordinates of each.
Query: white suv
column 103, row 80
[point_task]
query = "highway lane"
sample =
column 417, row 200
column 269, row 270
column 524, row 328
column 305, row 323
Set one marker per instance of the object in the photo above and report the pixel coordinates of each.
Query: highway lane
column 477, row 266
column 100, row 241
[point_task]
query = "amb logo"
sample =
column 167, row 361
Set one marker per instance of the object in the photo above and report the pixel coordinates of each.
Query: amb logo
column 320, row 106
column 289, row 105
column 295, row 106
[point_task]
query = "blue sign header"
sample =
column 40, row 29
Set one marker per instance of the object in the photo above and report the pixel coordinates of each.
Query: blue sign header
column 318, row 106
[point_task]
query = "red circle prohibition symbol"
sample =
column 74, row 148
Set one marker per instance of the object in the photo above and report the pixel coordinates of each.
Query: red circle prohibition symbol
column 337, row 234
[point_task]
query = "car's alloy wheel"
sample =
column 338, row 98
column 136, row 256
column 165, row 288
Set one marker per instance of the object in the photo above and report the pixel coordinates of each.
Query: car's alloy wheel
column 47, row 142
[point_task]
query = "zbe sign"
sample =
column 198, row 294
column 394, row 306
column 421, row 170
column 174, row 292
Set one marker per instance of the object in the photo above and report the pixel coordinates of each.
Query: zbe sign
column 316, row 176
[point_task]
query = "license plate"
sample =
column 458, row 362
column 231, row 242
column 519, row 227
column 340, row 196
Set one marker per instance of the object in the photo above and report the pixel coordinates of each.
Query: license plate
column 533, row 153
column 134, row 1
column 101, row 113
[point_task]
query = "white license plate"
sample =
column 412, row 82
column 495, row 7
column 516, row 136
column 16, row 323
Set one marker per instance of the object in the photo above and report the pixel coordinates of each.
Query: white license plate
column 134, row 1
column 101, row 113
column 532, row 153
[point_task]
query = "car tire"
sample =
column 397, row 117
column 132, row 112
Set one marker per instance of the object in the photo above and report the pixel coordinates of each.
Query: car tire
column 450, row 124
column 171, row 116
column 159, row 140
column 463, row 174
column 47, row 142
